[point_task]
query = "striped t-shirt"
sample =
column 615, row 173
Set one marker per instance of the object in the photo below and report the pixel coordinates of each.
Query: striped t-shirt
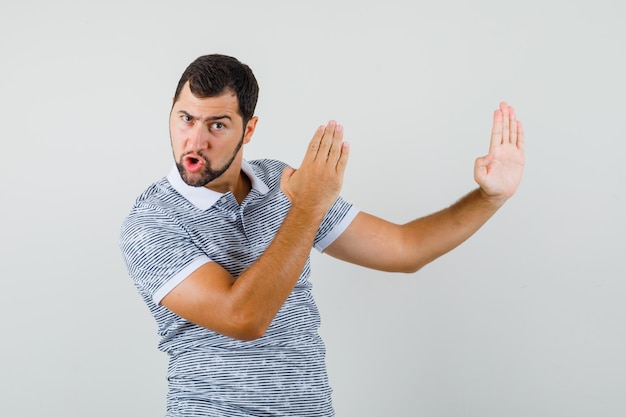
column 172, row 230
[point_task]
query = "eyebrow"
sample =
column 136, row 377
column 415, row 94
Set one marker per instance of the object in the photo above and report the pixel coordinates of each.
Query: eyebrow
column 206, row 119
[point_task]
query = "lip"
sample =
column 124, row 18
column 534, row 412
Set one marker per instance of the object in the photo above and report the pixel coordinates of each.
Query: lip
column 193, row 163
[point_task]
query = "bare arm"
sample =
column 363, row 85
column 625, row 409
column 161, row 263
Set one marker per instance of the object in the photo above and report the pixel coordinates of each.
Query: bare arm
column 244, row 308
column 376, row 243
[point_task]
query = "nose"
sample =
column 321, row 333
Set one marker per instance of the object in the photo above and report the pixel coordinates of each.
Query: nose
column 197, row 137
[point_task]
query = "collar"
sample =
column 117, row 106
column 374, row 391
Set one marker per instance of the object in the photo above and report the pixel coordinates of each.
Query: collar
column 202, row 197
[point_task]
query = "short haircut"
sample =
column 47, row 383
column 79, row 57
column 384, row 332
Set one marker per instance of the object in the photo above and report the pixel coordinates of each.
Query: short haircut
column 215, row 74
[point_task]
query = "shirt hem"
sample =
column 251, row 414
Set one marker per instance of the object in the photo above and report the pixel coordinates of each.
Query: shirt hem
column 337, row 230
column 178, row 278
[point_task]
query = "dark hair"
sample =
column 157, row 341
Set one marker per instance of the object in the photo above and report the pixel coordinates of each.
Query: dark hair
column 212, row 75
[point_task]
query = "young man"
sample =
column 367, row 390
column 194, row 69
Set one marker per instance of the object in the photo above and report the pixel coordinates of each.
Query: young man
column 219, row 249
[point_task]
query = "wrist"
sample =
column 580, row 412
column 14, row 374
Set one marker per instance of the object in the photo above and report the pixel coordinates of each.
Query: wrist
column 306, row 216
column 493, row 200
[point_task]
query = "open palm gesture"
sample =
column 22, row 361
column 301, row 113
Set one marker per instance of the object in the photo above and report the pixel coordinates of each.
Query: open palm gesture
column 499, row 173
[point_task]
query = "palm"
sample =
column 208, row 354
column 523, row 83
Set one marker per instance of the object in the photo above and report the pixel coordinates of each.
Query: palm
column 499, row 173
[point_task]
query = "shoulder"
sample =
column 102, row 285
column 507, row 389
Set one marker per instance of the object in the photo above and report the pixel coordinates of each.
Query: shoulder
column 268, row 170
column 160, row 193
column 154, row 207
column 268, row 166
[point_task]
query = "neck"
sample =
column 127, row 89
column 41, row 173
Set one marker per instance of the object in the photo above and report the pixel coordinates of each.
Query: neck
column 242, row 188
column 233, row 180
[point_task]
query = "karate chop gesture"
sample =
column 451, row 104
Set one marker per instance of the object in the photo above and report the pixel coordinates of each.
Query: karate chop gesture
column 499, row 173
column 316, row 184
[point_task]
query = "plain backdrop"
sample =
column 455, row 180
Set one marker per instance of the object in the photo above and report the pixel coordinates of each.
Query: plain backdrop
column 527, row 318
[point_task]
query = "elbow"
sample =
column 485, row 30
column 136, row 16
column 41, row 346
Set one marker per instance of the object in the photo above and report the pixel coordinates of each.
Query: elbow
column 239, row 330
column 407, row 263
column 248, row 327
column 411, row 269
column 250, row 334
column 413, row 263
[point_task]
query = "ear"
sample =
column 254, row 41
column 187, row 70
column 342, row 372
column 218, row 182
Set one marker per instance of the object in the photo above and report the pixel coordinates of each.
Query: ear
column 249, row 129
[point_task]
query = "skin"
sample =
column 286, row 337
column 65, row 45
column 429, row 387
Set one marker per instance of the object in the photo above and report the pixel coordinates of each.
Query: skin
column 243, row 308
column 375, row 243
column 210, row 296
column 210, row 132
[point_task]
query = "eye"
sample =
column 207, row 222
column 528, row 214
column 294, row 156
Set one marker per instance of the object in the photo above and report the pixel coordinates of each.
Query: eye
column 218, row 126
column 186, row 118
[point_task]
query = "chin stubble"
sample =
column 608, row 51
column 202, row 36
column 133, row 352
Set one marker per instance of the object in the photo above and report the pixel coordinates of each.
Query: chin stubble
column 208, row 174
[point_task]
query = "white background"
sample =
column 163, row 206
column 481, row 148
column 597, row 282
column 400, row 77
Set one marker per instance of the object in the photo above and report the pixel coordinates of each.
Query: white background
column 527, row 318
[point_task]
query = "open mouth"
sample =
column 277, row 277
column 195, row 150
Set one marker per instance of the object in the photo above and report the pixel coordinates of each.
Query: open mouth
column 193, row 163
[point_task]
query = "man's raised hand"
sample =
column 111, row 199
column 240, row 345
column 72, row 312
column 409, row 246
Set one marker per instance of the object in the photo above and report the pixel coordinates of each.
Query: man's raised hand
column 315, row 185
column 499, row 173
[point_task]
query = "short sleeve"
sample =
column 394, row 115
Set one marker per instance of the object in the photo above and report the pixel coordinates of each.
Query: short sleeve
column 158, row 251
column 336, row 221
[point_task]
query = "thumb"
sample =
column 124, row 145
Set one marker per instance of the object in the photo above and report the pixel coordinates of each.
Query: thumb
column 480, row 168
column 284, row 180
column 482, row 161
column 286, row 175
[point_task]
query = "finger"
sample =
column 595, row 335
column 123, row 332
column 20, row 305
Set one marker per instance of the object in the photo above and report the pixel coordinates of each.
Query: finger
column 481, row 162
column 343, row 158
column 285, row 177
column 512, row 126
column 520, row 136
column 480, row 167
column 496, row 130
column 314, row 144
column 287, row 173
column 505, row 109
column 326, row 142
column 334, row 153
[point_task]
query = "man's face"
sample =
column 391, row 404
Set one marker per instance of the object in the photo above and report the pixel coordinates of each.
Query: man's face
column 207, row 135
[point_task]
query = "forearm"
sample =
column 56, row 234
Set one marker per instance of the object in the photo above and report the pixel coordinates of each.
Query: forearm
column 427, row 238
column 311, row 190
column 375, row 243
column 498, row 175
column 262, row 289
column 243, row 307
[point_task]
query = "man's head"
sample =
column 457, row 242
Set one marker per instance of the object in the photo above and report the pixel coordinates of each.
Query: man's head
column 212, row 116
column 213, row 75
